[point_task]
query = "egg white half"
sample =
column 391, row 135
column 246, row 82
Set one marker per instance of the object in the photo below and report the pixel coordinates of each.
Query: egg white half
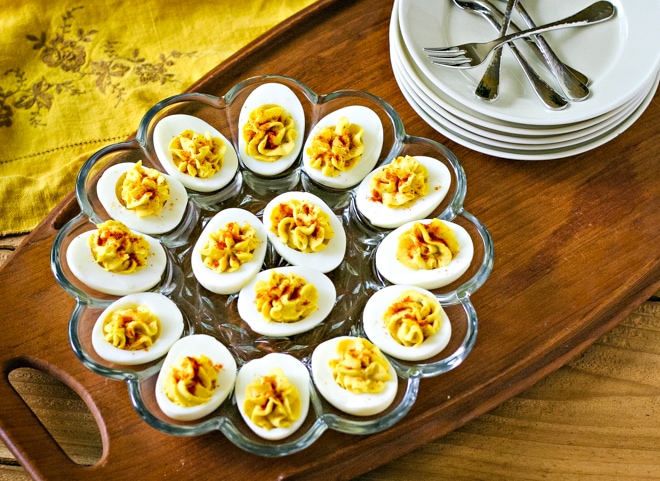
column 296, row 373
column 377, row 332
column 247, row 307
column 229, row 282
column 168, row 218
column 276, row 94
column 324, row 260
column 397, row 273
column 196, row 345
column 171, row 328
column 171, row 126
column 380, row 215
column 373, row 145
column 82, row 264
column 360, row 404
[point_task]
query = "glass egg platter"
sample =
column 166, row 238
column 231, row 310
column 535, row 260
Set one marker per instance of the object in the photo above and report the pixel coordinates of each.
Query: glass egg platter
column 356, row 278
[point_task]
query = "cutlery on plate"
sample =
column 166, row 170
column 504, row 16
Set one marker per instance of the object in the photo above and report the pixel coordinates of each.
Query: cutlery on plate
column 548, row 96
column 491, row 13
column 470, row 55
column 489, row 86
column 574, row 87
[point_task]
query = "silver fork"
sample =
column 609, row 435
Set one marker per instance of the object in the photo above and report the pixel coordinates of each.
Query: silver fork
column 546, row 94
column 470, row 55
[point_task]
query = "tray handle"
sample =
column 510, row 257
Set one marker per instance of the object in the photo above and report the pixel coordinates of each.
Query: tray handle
column 25, row 435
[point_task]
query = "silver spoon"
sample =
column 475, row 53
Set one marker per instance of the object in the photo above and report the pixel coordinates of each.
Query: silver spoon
column 548, row 96
column 489, row 86
column 574, row 88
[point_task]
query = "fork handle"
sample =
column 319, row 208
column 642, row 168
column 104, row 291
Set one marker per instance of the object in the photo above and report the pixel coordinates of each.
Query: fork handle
column 596, row 12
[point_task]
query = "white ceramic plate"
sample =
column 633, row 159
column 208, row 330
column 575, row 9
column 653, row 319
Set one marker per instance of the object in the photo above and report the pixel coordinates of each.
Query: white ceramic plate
column 457, row 136
column 619, row 55
column 581, row 132
column 511, row 145
column 454, row 110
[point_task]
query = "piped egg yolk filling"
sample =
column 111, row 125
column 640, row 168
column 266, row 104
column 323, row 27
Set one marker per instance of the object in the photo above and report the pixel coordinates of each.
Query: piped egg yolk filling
column 412, row 318
column 285, row 297
column 301, row 225
column 427, row 246
column 269, row 133
column 143, row 190
column 360, row 366
column 116, row 249
column 228, row 248
column 192, row 380
column 131, row 329
column 271, row 401
column 198, row 155
column 337, row 148
column 400, row 183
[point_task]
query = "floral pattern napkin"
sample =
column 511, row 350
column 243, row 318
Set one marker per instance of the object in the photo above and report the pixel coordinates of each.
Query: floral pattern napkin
column 76, row 76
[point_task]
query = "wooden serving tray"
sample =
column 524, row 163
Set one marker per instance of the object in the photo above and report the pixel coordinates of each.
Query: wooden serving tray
column 576, row 251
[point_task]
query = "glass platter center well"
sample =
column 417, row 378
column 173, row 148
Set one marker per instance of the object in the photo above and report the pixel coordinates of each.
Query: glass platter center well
column 356, row 277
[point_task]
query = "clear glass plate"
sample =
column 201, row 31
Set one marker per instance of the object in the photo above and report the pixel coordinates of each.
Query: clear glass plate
column 355, row 280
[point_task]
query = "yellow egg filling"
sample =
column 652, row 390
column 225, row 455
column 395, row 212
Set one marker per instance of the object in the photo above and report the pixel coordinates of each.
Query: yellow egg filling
column 360, row 366
column 271, row 401
column 143, row 190
column 301, row 225
column 413, row 317
column 229, row 247
column 285, row 297
column 192, row 380
column 337, row 148
column 116, row 249
column 400, row 183
column 197, row 155
column 269, row 133
column 427, row 246
column 132, row 329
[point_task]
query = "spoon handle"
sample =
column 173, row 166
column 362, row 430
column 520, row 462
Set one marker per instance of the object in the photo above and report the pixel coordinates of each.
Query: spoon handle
column 497, row 13
column 488, row 88
column 574, row 87
column 546, row 94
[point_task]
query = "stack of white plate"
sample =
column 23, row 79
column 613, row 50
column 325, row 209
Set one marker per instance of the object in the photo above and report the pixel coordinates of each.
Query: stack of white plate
column 620, row 56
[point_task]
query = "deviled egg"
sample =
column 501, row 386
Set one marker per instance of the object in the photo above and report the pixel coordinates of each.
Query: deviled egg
column 343, row 147
column 272, row 395
column 406, row 322
column 114, row 260
column 197, row 375
column 143, row 198
column 137, row 329
column 194, row 152
column 271, row 129
column 407, row 189
column 230, row 251
column 305, row 231
column 354, row 376
column 286, row 301
column 429, row 253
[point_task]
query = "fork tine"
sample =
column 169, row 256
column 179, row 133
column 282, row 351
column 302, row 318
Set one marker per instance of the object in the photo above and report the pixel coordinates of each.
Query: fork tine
column 439, row 49
column 447, row 53
column 461, row 62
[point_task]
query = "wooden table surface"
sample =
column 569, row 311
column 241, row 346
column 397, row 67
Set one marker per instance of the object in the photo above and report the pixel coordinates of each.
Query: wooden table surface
column 598, row 417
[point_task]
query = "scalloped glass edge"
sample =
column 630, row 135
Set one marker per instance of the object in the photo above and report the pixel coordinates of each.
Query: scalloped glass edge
column 412, row 374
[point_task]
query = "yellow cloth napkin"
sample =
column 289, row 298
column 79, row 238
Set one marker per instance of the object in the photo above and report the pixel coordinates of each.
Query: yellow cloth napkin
column 78, row 75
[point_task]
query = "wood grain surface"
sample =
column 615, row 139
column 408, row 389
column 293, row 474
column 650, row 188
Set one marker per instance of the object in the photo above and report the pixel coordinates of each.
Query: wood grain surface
column 576, row 254
column 597, row 417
